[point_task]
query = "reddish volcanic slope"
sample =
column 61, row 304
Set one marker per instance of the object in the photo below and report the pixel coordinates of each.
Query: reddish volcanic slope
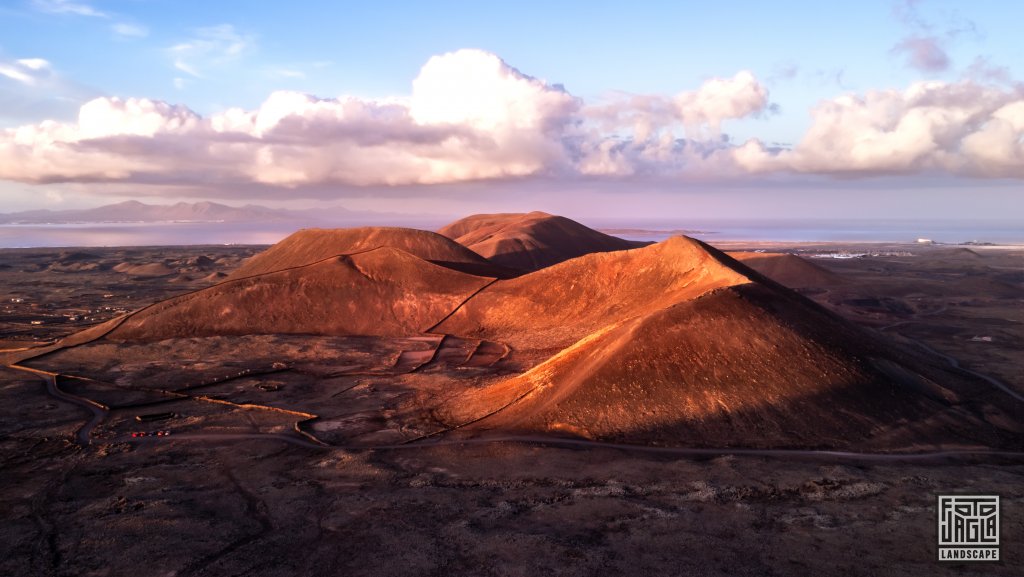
column 386, row 292
column 787, row 269
column 674, row 343
column 308, row 246
column 556, row 306
column 680, row 344
column 530, row 241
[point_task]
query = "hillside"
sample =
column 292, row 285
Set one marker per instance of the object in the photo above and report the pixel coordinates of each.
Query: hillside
column 530, row 241
column 787, row 269
column 678, row 343
column 675, row 343
column 308, row 246
column 384, row 292
column 558, row 305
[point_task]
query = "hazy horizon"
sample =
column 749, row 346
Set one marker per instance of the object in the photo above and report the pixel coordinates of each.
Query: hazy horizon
column 97, row 234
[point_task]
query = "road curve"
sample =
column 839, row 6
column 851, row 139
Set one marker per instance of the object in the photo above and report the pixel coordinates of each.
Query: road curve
column 956, row 365
column 99, row 412
column 217, row 437
column 951, row 360
column 947, row 454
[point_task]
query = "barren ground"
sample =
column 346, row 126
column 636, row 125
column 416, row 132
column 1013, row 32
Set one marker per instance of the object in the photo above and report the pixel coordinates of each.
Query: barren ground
column 235, row 491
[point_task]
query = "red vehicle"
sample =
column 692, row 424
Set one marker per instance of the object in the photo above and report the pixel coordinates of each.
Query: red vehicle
column 137, row 434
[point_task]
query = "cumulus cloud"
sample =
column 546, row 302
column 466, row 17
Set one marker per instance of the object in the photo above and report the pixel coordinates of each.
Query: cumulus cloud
column 699, row 113
column 472, row 117
column 667, row 135
column 960, row 128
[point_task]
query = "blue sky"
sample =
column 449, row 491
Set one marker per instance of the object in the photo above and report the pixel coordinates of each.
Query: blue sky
column 684, row 58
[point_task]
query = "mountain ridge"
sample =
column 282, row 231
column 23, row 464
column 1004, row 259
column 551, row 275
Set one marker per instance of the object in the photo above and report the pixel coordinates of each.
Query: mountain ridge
column 530, row 241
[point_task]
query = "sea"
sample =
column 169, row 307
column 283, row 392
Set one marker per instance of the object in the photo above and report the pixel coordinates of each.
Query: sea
column 889, row 231
column 265, row 233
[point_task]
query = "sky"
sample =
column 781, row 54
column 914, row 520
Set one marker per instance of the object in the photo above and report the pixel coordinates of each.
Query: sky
column 883, row 109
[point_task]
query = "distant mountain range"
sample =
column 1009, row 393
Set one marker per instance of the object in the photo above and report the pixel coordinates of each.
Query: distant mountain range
column 135, row 211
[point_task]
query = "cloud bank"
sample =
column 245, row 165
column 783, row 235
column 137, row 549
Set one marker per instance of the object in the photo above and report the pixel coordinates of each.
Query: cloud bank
column 470, row 117
column 959, row 128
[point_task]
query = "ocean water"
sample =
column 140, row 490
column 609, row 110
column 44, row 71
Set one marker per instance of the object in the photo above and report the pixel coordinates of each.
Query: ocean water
column 824, row 231
column 170, row 233
column 141, row 234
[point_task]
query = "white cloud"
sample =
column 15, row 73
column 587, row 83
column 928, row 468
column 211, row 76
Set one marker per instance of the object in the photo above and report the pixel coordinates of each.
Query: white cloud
column 719, row 99
column 960, row 128
column 67, row 7
column 478, row 89
column 210, row 47
column 28, row 71
column 470, row 116
column 126, row 30
column 699, row 113
column 16, row 73
column 31, row 88
column 512, row 125
column 186, row 68
column 669, row 136
column 34, row 63
column 105, row 117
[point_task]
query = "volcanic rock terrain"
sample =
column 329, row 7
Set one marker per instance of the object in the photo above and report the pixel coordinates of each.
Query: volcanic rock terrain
column 674, row 344
column 378, row 402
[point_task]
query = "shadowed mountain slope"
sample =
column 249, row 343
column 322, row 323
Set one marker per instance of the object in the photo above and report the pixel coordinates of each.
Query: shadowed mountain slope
column 530, row 241
column 787, row 269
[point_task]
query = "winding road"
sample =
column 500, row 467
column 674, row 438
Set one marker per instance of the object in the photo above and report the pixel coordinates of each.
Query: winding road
column 99, row 412
column 939, row 455
column 956, row 365
column 951, row 360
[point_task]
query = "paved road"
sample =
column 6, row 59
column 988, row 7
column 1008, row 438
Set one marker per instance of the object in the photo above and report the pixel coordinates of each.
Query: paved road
column 952, row 361
column 830, row 456
column 99, row 412
column 956, row 365
column 221, row 437
column 915, row 318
